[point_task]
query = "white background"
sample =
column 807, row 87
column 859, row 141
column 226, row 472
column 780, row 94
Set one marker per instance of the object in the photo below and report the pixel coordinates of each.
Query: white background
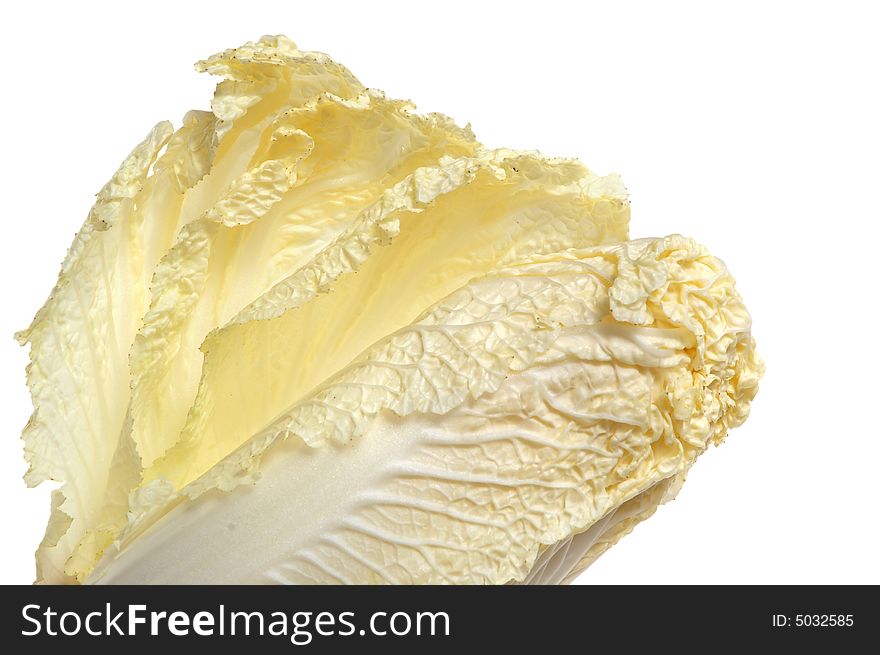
column 752, row 129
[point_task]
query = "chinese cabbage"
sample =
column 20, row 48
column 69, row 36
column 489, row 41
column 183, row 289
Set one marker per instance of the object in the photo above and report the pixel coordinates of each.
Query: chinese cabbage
column 313, row 336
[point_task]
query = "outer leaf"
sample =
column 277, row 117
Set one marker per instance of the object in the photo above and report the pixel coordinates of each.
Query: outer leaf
column 484, row 441
column 80, row 397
